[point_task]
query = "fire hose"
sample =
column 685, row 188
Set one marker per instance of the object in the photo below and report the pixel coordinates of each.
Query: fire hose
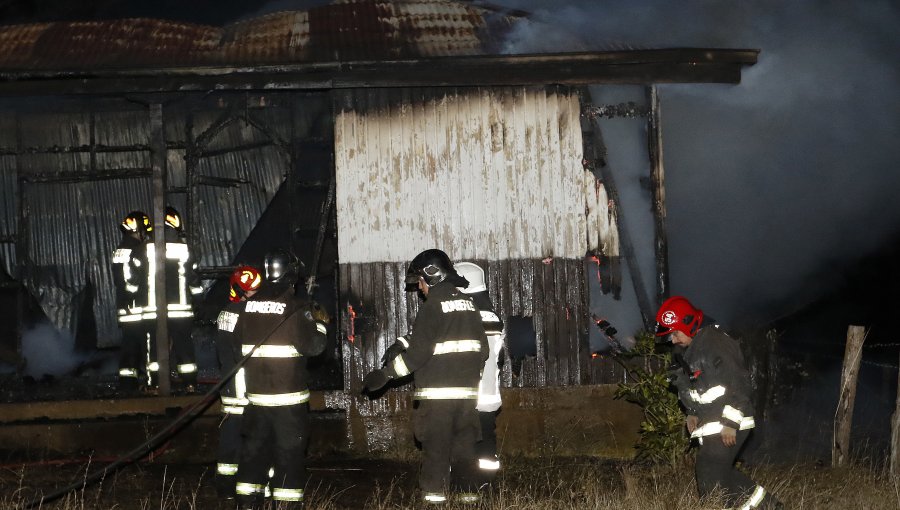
column 187, row 416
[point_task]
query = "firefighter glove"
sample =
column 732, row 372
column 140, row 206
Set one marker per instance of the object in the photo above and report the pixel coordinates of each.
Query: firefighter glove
column 729, row 436
column 374, row 381
column 392, row 352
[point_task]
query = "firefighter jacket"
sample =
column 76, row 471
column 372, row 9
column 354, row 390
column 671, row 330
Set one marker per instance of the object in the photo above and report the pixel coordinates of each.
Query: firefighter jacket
column 129, row 278
column 447, row 347
column 720, row 392
column 228, row 349
column 489, row 387
column 276, row 372
column 182, row 284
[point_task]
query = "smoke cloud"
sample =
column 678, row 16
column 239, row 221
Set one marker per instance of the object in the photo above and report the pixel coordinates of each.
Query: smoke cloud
column 771, row 182
column 49, row 351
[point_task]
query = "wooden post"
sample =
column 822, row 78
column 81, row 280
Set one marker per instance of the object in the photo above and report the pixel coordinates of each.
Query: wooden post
column 158, row 164
column 895, row 435
column 843, row 416
column 658, row 181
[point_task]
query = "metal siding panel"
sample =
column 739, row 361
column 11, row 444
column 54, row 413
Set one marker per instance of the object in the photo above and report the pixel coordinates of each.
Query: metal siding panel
column 9, row 203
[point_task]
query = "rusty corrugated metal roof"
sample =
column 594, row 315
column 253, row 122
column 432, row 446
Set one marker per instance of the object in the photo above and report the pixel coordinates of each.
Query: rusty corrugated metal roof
column 344, row 30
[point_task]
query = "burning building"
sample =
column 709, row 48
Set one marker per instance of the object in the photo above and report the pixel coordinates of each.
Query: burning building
column 357, row 133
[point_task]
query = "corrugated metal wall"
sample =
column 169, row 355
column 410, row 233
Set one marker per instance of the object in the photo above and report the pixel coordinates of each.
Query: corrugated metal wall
column 492, row 174
column 85, row 164
column 552, row 294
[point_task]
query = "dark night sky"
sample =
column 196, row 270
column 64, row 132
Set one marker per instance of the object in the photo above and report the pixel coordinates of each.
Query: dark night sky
column 775, row 186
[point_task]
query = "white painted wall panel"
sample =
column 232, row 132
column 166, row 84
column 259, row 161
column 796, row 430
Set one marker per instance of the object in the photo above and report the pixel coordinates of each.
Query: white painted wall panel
column 482, row 173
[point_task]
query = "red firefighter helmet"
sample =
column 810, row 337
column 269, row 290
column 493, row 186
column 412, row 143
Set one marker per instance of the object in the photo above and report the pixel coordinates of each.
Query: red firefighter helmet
column 243, row 279
column 677, row 313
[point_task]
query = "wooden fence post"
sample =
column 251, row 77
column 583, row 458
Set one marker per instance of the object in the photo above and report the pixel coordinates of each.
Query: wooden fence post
column 895, row 435
column 843, row 416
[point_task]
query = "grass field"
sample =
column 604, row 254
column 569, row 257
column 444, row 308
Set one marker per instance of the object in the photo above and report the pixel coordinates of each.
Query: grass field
column 524, row 484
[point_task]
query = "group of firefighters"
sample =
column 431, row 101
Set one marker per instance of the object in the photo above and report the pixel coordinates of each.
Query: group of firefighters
column 266, row 333
column 134, row 275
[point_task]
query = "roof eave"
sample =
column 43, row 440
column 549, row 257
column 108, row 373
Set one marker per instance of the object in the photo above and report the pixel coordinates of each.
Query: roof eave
column 675, row 65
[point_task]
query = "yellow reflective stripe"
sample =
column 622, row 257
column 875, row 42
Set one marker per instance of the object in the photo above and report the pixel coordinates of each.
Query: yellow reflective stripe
column 226, row 469
column 452, row 346
column 755, row 499
column 435, row 497
column 400, row 366
column 153, row 367
column 468, row 497
column 121, row 255
column 234, row 401
column 715, row 427
column 446, row 393
column 271, row 351
column 240, row 385
column 708, row 396
column 233, row 409
column 130, row 318
column 131, row 288
column 248, row 489
column 127, row 372
column 732, row 414
column 280, row 399
column 279, row 494
column 403, row 341
column 187, row 368
column 489, row 317
column 321, row 328
column 489, row 464
column 175, row 314
column 177, row 306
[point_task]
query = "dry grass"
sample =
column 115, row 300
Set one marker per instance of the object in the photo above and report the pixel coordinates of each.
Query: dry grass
column 525, row 484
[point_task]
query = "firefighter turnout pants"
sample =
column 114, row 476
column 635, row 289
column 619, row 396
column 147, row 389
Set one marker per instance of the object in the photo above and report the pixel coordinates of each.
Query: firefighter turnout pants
column 486, row 448
column 275, row 437
column 448, row 431
column 132, row 364
column 228, row 453
column 715, row 468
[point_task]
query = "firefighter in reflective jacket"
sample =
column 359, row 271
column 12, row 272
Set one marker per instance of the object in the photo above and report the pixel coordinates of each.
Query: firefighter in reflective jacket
column 182, row 288
column 275, row 428
column 447, row 349
column 488, row 404
column 717, row 396
column 244, row 282
column 129, row 266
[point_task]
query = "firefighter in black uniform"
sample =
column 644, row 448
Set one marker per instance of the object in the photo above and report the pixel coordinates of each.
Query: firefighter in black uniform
column 275, row 431
column 182, row 288
column 488, row 404
column 716, row 393
column 447, row 349
column 129, row 276
column 244, row 282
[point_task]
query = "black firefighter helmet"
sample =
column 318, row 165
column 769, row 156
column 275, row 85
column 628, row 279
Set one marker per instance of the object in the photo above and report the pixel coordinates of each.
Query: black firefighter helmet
column 433, row 266
column 136, row 222
column 282, row 266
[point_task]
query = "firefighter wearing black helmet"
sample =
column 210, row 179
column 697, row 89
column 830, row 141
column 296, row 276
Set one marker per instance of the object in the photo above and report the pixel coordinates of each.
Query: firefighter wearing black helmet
column 275, row 428
column 714, row 387
column 446, row 352
column 129, row 266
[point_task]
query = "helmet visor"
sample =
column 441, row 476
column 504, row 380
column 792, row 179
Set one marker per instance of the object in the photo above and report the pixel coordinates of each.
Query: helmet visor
column 662, row 330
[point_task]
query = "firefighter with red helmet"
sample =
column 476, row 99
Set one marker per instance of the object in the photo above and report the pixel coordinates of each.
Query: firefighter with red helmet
column 447, row 350
column 716, row 393
column 244, row 282
column 281, row 331
column 129, row 267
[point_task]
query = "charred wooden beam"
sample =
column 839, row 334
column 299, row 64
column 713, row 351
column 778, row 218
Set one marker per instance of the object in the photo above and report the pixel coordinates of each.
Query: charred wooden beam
column 658, row 182
column 678, row 65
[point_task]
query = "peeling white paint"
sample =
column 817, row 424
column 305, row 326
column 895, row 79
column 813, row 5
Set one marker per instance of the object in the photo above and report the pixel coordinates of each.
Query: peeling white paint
column 491, row 174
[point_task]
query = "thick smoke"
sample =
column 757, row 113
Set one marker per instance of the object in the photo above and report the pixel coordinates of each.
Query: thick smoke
column 772, row 181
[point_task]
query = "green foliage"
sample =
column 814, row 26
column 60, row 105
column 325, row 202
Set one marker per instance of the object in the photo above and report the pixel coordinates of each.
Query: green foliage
column 662, row 434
